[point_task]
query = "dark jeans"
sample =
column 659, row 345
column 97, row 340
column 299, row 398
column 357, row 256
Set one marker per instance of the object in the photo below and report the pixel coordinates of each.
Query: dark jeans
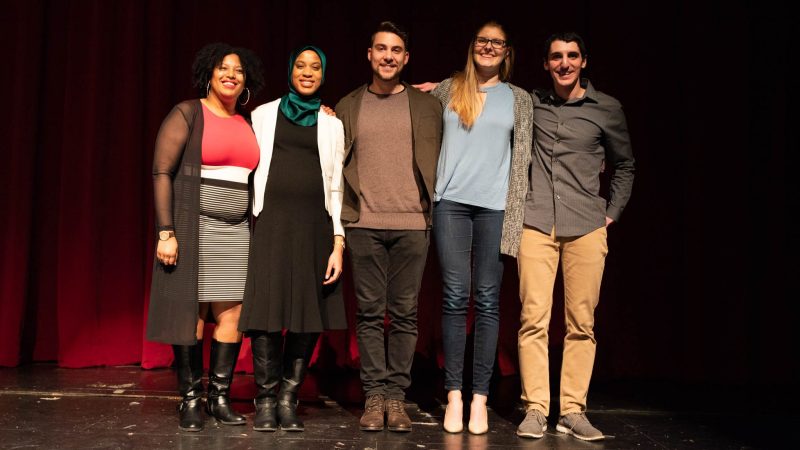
column 468, row 242
column 387, row 273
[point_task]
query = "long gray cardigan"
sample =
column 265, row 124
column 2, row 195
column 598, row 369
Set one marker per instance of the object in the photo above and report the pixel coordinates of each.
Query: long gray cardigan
column 518, row 185
column 172, row 313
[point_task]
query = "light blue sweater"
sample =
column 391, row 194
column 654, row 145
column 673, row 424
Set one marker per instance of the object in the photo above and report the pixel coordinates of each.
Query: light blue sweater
column 474, row 164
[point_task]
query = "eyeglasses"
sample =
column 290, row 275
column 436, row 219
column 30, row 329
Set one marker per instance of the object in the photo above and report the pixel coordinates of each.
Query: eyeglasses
column 481, row 41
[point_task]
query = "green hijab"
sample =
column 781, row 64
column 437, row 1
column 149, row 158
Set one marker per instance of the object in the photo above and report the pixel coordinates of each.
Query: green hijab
column 299, row 109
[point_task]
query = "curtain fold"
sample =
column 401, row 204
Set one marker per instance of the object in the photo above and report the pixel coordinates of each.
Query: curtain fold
column 686, row 296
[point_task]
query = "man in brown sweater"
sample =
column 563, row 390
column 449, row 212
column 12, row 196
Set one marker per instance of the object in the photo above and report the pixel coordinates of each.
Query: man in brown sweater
column 393, row 133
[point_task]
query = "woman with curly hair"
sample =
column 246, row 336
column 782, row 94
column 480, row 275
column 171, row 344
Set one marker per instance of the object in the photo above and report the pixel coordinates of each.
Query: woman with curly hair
column 204, row 153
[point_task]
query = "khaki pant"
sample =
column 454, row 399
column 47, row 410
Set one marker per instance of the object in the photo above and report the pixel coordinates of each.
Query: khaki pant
column 582, row 260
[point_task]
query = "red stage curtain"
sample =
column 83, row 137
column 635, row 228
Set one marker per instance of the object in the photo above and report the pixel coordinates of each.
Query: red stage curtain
column 687, row 295
column 90, row 84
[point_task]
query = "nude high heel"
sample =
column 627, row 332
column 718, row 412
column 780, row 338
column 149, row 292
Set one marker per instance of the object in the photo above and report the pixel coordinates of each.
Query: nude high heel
column 454, row 413
column 478, row 415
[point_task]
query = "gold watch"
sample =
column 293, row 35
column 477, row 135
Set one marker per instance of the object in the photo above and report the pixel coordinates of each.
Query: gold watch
column 165, row 235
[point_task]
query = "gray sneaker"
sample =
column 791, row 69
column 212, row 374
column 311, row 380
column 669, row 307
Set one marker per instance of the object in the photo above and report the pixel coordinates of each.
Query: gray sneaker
column 533, row 426
column 579, row 426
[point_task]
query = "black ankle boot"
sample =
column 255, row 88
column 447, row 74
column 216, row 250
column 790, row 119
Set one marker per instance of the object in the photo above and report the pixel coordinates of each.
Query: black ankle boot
column 297, row 353
column 267, row 374
column 189, row 367
column 220, row 376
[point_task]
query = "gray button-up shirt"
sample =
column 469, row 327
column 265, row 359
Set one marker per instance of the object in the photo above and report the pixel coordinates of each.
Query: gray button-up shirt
column 571, row 142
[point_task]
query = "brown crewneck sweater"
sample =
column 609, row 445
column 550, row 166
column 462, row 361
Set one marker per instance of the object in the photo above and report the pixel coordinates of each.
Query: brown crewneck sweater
column 390, row 196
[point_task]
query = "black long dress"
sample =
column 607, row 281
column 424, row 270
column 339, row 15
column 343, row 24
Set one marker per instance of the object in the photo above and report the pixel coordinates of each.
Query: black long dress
column 291, row 243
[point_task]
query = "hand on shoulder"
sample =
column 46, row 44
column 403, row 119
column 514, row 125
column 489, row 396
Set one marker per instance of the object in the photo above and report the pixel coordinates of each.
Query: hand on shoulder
column 426, row 87
column 328, row 110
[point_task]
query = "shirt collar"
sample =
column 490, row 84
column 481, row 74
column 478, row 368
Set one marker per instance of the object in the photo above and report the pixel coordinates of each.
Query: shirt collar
column 551, row 98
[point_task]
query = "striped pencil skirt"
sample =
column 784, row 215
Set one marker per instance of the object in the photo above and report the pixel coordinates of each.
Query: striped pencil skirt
column 224, row 240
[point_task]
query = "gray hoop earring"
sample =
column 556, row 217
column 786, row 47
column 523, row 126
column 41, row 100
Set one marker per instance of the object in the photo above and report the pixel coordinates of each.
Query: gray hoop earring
column 208, row 88
column 248, row 97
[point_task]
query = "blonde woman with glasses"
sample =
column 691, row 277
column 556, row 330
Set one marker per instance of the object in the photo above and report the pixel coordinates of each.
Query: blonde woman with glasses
column 480, row 191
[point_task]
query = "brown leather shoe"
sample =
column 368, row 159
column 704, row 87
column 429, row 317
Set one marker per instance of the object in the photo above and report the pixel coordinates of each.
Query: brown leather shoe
column 396, row 417
column 372, row 419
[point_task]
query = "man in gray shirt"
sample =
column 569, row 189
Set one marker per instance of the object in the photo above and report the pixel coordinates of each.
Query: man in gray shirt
column 393, row 134
column 577, row 132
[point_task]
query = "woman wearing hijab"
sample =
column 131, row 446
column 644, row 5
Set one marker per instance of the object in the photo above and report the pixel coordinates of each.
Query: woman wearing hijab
column 298, row 240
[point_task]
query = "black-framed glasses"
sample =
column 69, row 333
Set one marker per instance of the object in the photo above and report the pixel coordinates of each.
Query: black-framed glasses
column 481, row 41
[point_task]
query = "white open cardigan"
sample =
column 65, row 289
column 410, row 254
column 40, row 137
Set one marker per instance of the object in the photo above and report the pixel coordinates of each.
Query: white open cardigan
column 330, row 141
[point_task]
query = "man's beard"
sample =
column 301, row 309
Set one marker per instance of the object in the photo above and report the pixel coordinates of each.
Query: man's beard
column 384, row 77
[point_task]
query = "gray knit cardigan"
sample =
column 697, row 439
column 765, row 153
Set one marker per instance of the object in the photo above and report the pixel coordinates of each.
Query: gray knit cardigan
column 520, row 161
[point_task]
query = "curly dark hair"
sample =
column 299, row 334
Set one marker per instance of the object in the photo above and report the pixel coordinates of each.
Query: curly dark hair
column 212, row 55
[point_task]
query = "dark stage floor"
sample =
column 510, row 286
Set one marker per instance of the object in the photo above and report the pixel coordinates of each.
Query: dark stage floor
column 43, row 406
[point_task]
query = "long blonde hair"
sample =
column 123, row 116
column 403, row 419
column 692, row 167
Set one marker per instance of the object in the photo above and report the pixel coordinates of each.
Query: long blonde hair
column 465, row 100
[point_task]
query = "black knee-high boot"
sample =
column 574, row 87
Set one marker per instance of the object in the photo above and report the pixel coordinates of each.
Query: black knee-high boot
column 189, row 368
column 220, row 376
column 296, row 356
column 267, row 350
